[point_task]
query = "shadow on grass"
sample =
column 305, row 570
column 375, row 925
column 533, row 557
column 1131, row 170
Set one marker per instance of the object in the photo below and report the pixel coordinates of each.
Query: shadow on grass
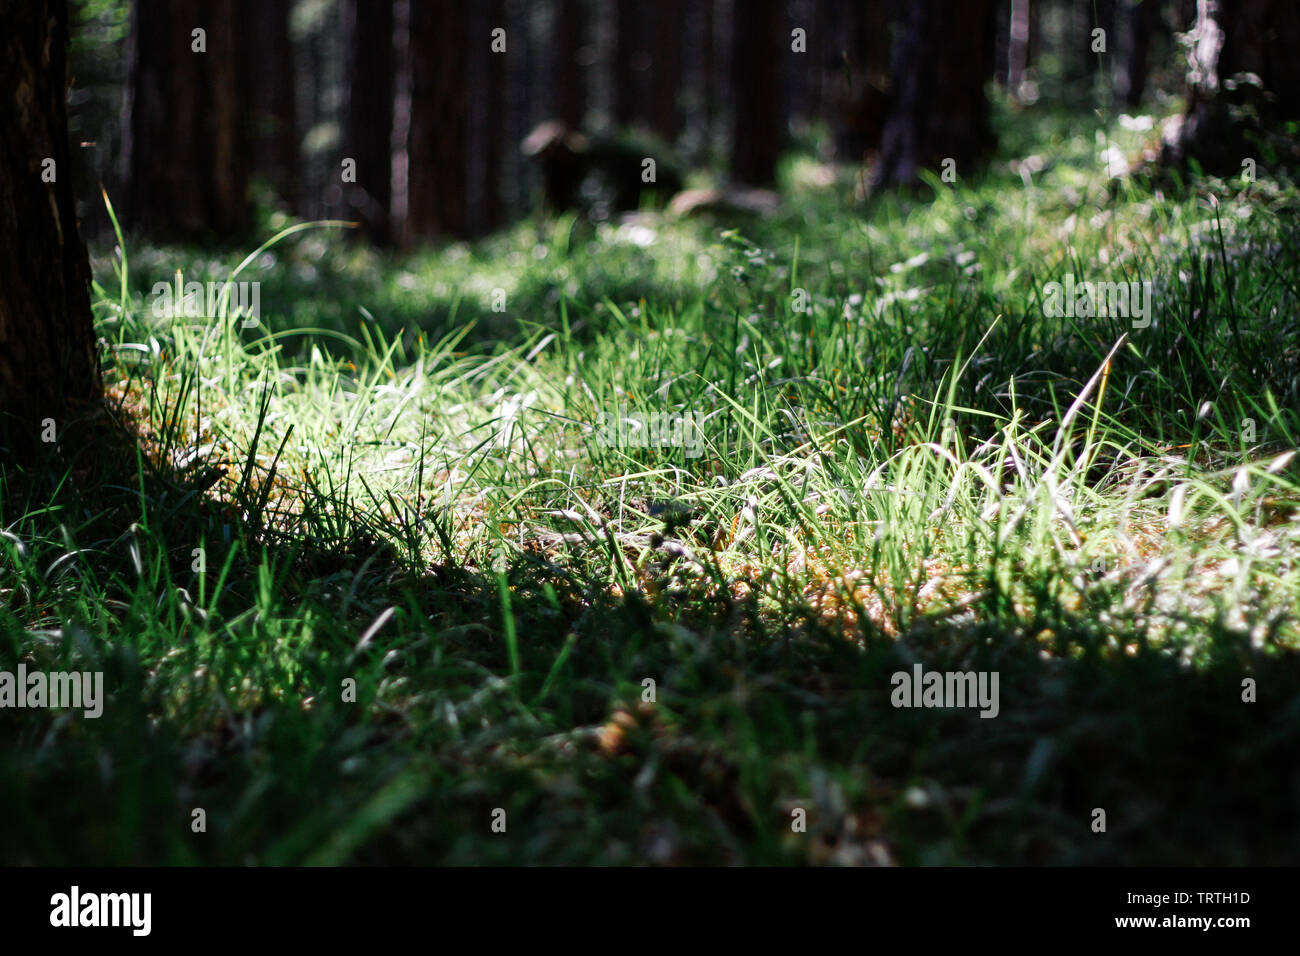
column 473, row 697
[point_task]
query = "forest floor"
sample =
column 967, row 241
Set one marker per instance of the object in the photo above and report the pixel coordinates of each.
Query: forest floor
column 379, row 576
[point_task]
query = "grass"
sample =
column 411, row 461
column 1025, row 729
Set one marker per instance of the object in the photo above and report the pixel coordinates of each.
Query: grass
column 363, row 573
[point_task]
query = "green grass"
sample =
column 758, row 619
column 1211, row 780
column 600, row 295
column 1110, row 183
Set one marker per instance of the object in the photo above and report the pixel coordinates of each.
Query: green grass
column 393, row 483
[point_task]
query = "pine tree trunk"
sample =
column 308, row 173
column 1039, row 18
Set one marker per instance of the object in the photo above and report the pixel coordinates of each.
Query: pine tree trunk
column 267, row 75
column 857, row 41
column 1228, row 113
column 1140, row 21
column 48, row 361
column 759, row 47
column 439, row 124
column 666, row 69
column 1017, row 44
column 1099, row 15
column 369, row 129
column 568, row 76
column 487, row 76
column 187, row 145
column 942, row 60
column 629, row 103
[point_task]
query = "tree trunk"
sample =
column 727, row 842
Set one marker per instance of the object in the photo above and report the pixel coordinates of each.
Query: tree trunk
column 487, row 75
column 710, row 78
column 1140, row 18
column 568, row 76
column 370, row 116
column 439, row 120
column 48, row 361
column 629, row 65
column 267, row 74
column 1098, row 15
column 666, row 69
column 1231, row 118
column 942, row 60
column 187, row 148
column 857, row 66
column 1018, row 45
column 759, row 47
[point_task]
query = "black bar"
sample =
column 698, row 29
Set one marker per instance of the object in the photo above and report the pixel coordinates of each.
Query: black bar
column 265, row 906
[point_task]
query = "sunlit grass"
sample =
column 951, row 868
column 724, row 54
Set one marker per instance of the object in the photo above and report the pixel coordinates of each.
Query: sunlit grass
column 892, row 454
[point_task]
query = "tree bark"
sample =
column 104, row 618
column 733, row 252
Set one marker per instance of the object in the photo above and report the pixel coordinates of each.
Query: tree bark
column 568, row 76
column 48, row 360
column 1140, row 19
column 1017, row 44
column 666, row 70
column 710, row 79
column 1243, row 86
column 942, row 60
column 857, row 74
column 267, row 75
column 487, row 75
column 629, row 57
column 758, row 48
column 1098, row 15
column 370, row 115
column 187, row 149
column 439, row 120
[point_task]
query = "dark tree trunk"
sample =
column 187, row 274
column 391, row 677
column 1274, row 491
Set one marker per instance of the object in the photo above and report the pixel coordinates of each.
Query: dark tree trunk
column 438, row 168
column 497, row 147
column 268, row 77
column 759, row 47
column 518, row 112
column 942, row 60
column 666, row 69
column 1001, row 49
column 1018, row 25
column 1099, row 14
column 799, row 101
column 568, row 75
column 1034, row 45
column 712, row 78
column 1229, row 116
column 48, row 361
column 1133, row 46
column 488, row 75
column 188, row 144
column 1138, row 22
column 369, row 129
column 858, row 75
column 629, row 65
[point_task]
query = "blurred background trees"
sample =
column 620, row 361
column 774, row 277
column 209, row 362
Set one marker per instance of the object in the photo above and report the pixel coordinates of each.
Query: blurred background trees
column 407, row 115
column 1243, row 83
column 187, row 144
